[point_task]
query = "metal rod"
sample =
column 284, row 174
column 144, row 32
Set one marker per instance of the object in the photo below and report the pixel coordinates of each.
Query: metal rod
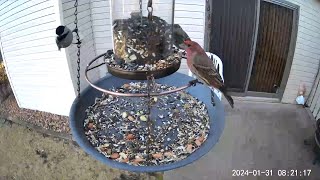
column 150, row 10
column 141, row 12
column 96, row 66
column 128, row 94
column 172, row 22
column 149, row 99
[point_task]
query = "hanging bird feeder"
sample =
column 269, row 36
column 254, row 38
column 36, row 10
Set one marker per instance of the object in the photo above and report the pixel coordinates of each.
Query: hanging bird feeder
column 146, row 117
column 142, row 39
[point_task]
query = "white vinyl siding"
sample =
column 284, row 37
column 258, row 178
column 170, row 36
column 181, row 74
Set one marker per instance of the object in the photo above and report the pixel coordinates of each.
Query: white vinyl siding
column 38, row 73
column 307, row 53
column 191, row 17
column 88, row 49
column 314, row 100
column 101, row 25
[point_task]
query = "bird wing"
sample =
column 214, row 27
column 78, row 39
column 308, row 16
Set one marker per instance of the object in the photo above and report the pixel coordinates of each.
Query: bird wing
column 60, row 38
column 58, row 44
column 209, row 75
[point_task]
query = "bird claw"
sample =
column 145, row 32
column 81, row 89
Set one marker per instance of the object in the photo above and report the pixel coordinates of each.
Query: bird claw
column 194, row 82
column 78, row 43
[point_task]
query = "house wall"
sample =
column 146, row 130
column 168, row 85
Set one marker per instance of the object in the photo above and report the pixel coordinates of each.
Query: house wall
column 307, row 53
column 88, row 48
column 38, row 73
column 191, row 17
column 314, row 100
column 42, row 78
column 189, row 14
column 100, row 13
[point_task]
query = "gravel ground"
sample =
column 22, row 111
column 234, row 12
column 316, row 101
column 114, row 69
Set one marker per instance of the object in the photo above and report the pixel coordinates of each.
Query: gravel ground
column 25, row 154
column 9, row 108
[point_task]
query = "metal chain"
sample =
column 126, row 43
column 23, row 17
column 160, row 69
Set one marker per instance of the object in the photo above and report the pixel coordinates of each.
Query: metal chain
column 150, row 88
column 140, row 3
column 149, row 116
column 150, row 9
column 76, row 30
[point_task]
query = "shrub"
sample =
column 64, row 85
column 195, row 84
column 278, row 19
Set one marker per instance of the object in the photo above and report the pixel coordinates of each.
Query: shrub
column 3, row 75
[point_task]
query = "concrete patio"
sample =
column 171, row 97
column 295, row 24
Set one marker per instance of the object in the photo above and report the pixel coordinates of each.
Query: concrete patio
column 257, row 136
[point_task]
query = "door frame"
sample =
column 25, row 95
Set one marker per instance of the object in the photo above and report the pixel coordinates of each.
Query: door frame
column 292, row 46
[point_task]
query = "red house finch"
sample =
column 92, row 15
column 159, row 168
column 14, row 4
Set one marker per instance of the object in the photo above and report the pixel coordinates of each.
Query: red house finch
column 202, row 66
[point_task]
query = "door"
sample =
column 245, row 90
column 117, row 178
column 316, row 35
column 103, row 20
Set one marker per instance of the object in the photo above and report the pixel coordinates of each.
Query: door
column 272, row 50
column 231, row 38
column 255, row 39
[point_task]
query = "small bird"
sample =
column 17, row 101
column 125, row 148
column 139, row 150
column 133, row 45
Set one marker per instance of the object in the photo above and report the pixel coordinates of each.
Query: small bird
column 64, row 37
column 202, row 66
column 179, row 36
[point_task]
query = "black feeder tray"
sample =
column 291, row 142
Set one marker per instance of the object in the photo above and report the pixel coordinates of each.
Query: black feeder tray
column 142, row 74
column 203, row 93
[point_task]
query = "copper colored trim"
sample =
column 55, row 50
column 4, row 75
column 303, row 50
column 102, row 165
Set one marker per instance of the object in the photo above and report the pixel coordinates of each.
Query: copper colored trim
column 126, row 94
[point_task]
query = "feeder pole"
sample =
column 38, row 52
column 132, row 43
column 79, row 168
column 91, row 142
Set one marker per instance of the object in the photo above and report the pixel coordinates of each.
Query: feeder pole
column 141, row 13
column 150, row 10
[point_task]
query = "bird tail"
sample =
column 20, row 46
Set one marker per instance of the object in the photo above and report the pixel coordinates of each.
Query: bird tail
column 223, row 89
